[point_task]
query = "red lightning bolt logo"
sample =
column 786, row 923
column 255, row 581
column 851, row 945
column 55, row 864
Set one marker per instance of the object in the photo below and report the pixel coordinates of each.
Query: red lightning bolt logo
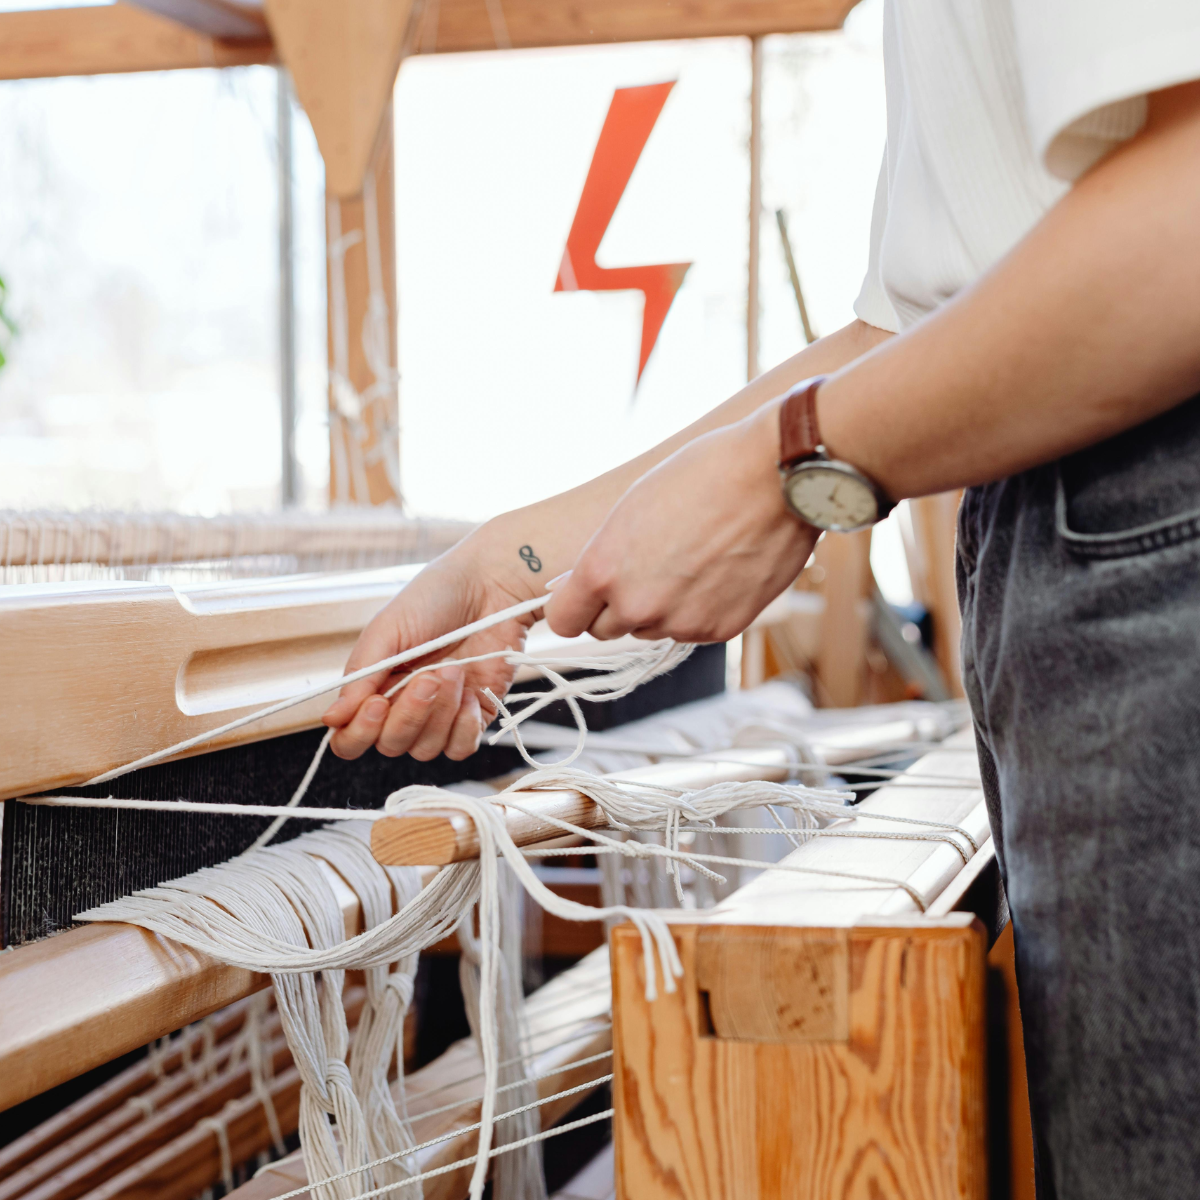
column 631, row 116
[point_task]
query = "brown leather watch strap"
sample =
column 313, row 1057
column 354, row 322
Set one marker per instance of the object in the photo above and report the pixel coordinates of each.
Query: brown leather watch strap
column 798, row 434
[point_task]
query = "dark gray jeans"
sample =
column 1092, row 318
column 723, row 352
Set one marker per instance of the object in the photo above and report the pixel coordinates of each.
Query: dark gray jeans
column 1080, row 591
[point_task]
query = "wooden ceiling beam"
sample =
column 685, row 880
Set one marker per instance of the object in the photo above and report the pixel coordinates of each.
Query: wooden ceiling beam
column 121, row 38
column 458, row 25
column 111, row 39
column 233, row 20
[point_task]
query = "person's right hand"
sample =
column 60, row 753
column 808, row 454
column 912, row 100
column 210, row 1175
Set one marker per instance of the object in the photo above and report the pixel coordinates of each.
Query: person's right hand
column 440, row 711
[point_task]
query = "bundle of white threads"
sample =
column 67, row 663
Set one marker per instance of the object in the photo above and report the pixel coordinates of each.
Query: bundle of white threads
column 379, row 1040
column 518, row 1174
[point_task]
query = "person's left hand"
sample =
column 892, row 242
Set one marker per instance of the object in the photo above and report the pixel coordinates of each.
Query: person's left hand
column 696, row 549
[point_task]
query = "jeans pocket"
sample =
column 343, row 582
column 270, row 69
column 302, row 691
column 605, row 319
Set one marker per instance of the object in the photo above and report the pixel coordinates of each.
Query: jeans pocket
column 1121, row 543
column 1134, row 493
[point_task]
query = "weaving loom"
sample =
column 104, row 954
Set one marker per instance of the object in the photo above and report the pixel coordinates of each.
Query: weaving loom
column 131, row 634
column 248, row 644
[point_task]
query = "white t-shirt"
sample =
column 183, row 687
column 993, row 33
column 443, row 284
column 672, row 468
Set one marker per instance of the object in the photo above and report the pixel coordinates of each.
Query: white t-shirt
column 994, row 108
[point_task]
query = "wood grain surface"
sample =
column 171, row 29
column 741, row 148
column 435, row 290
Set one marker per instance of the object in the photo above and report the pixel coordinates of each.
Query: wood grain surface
column 121, row 38
column 464, row 24
column 894, row 1110
column 109, row 39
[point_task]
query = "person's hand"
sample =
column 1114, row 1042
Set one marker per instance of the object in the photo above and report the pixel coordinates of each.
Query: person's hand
column 440, row 711
column 694, row 550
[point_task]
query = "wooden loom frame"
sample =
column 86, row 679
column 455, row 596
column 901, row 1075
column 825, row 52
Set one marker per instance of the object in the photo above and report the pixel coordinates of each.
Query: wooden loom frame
column 161, row 986
column 123, row 38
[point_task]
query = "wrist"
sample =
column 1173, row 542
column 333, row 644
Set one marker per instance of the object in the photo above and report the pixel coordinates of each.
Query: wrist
column 522, row 550
column 764, row 427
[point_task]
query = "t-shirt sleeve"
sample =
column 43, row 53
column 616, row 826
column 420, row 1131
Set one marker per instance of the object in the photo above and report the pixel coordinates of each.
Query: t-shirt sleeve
column 1087, row 66
column 873, row 305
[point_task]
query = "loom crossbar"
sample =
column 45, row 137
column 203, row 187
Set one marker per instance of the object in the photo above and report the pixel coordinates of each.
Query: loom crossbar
column 439, row 839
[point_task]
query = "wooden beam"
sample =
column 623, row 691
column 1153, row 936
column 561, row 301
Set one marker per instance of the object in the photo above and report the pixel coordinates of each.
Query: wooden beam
column 343, row 60
column 841, row 663
column 214, row 18
column 931, row 553
column 316, row 541
column 364, row 394
column 119, row 38
column 107, row 989
column 433, row 840
column 454, row 25
column 111, row 39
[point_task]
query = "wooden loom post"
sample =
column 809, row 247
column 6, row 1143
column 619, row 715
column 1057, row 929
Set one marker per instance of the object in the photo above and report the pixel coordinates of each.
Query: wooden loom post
column 363, row 452
column 930, row 554
column 343, row 62
column 845, row 559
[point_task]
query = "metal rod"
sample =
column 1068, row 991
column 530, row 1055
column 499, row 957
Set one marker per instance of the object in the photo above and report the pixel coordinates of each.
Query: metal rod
column 781, row 221
column 289, row 474
column 752, row 290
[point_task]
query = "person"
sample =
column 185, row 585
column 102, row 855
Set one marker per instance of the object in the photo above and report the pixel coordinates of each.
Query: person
column 1029, row 329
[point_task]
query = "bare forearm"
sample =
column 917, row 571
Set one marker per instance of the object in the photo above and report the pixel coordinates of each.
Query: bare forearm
column 1091, row 325
column 558, row 528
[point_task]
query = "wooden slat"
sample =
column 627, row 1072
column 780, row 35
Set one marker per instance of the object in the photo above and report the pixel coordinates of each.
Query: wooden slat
column 97, row 675
column 126, row 1150
column 465, row 24
column 931, row 553
column 430, row 839
column 90, row 1111
column 100, row 675
column 47, row 538
column 59, row 1152
column 110, row 39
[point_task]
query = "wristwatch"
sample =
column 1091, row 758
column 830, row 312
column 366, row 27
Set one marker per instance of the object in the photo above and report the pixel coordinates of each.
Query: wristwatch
column 818, row 489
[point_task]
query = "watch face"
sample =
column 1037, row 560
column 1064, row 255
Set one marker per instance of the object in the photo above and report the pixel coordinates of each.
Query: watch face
column 831, row 497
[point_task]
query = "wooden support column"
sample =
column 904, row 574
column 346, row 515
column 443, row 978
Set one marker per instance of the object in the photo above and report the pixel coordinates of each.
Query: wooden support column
column 752, row 288
column 343, row 62
column 930, row 553
column 364, row 400
column 845, row 623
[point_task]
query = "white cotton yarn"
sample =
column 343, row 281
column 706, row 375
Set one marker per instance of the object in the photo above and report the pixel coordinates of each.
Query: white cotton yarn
column 518, row 1175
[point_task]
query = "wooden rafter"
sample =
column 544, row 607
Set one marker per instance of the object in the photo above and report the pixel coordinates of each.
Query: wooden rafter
column 119, row 38
column 111, row 39
column 467, row 25
column 235, row 20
